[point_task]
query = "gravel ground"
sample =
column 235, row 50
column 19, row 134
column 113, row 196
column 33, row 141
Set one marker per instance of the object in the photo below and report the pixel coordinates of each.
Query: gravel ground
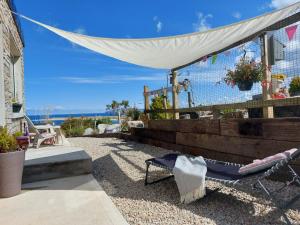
column 119, row 168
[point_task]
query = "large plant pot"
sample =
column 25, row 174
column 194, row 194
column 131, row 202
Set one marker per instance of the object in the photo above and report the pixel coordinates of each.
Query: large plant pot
column 245, row 86
column 11, row 170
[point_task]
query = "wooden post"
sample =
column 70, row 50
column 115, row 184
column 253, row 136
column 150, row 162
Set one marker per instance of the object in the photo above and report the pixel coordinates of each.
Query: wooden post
column 165, row 93
column 146, row 100
column 189, row 99
column 174, row 94
column 266, row 87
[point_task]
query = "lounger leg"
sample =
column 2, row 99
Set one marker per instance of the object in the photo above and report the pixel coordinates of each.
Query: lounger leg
column 146, row 177
column 273, row 198
column 156, row 181
column 39, row 142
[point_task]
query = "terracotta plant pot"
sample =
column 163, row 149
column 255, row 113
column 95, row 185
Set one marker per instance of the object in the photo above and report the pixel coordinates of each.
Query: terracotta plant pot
column 11, row 170
column 245, row 86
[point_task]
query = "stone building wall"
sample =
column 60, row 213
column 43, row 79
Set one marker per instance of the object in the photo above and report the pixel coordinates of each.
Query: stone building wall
column 10, row 36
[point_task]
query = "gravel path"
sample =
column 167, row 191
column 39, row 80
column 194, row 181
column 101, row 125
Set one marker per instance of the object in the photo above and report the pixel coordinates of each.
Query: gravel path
column 119, row 168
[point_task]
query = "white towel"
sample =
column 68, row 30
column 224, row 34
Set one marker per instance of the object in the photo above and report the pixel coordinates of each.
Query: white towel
column 189, row 175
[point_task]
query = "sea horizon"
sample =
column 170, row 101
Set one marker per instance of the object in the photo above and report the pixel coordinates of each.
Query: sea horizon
column 61, row 117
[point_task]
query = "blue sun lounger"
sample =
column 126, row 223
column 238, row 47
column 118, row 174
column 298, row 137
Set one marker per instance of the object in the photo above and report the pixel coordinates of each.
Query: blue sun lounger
column 227, row 173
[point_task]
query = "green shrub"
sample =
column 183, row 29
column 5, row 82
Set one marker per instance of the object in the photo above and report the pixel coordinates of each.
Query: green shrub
column 105, row 120
column 158, row 104
column 74, row 132
column 8, row 142
column 134, row 113
column 74, row 127
column 18, row 134
column 294, row 86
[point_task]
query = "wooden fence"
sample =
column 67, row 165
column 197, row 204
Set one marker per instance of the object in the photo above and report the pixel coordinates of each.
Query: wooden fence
column 235, row 140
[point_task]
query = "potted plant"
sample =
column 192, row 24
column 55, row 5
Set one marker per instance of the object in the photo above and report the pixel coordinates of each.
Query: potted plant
column 11, row 165
column 246, row 73
column 16, row 106
column 294, row 89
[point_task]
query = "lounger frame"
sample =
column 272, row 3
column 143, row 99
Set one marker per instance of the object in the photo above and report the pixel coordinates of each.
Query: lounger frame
column 258, row 178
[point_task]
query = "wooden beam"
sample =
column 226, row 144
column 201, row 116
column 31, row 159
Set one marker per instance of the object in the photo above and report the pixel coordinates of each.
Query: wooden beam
column 189, row 99
column 242, row 105
column 268, row 111
column 174, row 94
column 146, row 100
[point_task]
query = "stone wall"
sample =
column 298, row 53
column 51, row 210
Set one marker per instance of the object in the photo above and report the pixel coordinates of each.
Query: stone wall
column 10, row 36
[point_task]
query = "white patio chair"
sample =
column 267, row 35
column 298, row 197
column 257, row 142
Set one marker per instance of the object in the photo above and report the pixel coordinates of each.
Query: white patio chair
column 40, row 137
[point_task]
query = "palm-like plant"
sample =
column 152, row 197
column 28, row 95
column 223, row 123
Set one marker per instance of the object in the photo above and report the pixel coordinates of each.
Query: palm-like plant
column 118, row 107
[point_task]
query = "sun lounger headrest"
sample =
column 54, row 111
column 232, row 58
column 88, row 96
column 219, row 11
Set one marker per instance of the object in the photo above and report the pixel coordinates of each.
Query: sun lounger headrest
column 261, row 164
column 293, row 153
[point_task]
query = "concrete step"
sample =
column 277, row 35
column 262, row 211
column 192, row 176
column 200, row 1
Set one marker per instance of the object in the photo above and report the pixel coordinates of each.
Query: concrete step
column 55, row 162
column 76, row 200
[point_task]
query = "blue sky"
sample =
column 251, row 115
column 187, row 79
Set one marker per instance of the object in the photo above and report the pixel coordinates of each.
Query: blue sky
column 66, row 77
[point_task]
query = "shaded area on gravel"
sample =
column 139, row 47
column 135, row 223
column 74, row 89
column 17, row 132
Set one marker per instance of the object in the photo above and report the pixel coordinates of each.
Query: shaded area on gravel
column 119, row 167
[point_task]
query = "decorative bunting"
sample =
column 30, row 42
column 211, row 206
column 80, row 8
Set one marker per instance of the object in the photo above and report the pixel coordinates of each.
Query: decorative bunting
column 214, row 59
column 290, row 31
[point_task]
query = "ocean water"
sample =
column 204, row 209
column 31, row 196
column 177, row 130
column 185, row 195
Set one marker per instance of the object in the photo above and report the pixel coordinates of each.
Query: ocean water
column 38, row 119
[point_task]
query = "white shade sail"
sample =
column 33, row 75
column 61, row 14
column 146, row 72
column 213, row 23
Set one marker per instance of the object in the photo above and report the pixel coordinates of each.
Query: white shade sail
column 176, row 51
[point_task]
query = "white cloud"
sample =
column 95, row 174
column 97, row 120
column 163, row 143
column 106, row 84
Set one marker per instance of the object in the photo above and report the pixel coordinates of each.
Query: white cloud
column 159, row 24
column 237, row 15
column 80, row 30
column 278, row 4
column 58, row 107
column 113, row 79
column 202, row 24
column 83, row 80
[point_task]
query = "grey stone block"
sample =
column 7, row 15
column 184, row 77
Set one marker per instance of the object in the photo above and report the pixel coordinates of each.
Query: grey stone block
column 56, row 165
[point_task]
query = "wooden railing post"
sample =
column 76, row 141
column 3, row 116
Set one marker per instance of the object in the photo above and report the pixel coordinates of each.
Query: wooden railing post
column 165, row 94
column 146, row 100
column 266, row 85
column 174, row 94
column 189, row 99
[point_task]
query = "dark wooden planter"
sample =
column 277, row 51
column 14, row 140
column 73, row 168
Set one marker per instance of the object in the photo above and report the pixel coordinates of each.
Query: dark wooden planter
column 245, row 86
column 11, row 170
column 297, row 93
column 16, row 107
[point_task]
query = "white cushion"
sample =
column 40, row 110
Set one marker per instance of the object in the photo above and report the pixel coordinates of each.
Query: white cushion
column 261, row 164
column 101, row 128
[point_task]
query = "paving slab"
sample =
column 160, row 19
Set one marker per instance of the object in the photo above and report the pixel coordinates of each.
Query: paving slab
column 68, row 201
column 55, row 162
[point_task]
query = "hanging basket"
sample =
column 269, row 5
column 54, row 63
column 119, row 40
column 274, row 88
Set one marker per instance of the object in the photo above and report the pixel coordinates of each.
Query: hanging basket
column 245, row 86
